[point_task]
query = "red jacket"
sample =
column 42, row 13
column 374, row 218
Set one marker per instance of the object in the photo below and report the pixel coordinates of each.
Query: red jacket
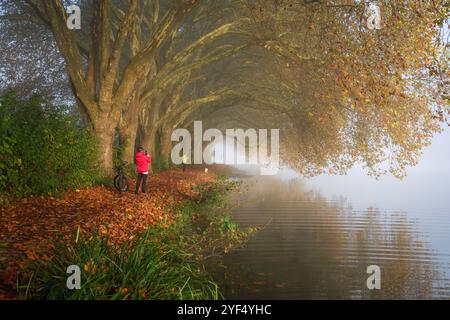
column 142, row 162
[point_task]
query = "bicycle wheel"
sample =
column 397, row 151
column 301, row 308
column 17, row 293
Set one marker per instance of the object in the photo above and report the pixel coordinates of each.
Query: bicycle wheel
column 115, row 182
column 121, row 183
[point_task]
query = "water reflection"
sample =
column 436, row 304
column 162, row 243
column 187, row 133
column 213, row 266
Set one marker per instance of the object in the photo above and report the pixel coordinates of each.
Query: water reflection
column 314, row 248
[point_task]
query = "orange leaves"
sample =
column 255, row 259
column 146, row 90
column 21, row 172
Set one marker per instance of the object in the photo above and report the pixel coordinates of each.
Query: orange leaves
column 28, row 225
column 102, row 230
column 30, row 255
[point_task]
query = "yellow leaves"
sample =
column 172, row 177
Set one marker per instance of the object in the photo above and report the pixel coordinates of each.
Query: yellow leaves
column 103, row 231
column 90, row 267
column 143, row 293
column 345, row 93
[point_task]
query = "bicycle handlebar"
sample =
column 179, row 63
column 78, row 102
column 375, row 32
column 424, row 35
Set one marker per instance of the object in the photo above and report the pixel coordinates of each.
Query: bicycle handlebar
column 121, row 164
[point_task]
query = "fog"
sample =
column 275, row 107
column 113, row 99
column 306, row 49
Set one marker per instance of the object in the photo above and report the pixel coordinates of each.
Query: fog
column 426, row 187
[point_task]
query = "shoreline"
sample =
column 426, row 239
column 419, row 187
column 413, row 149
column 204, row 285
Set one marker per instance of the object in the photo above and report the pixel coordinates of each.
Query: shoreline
column 97, row 210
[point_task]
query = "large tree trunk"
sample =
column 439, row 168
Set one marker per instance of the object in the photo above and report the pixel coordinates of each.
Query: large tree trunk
column 166, row 146
column 127, row 133
column 148, row 129
column 148, row 140
column 105, row 140
column 104, row 128
column 128, row 138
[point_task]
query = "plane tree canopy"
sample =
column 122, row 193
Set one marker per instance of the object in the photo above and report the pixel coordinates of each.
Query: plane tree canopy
column 340, row 92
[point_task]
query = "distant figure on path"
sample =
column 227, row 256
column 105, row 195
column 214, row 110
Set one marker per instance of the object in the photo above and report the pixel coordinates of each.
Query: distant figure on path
column 142, row 162
column 184, row 160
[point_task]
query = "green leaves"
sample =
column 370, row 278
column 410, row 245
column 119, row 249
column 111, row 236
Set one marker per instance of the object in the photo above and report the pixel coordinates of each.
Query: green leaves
column 43, row 150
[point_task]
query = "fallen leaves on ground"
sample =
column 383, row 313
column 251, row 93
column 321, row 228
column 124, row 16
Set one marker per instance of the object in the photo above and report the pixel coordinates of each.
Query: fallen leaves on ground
column 28, row 226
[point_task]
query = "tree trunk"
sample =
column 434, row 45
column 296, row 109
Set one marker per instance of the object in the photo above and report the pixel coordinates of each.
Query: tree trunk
column 148, row 140
column 105, row 139
column 127, row 134
column 166, row 146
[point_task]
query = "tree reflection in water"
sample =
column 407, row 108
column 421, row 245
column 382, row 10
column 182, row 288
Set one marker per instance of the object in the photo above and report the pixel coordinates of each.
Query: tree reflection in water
column 311, row 247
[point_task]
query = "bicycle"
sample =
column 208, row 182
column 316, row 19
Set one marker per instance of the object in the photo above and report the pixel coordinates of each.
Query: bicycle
column 120, row 180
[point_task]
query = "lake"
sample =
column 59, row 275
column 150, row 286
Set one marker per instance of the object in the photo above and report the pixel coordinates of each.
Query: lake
column 319, row 235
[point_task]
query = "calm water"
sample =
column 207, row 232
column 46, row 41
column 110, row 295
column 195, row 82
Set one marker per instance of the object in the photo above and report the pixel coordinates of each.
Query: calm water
column 319, row 235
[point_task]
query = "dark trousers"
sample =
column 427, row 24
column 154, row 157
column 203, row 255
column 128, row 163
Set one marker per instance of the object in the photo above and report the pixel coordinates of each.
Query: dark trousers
column 141, row 178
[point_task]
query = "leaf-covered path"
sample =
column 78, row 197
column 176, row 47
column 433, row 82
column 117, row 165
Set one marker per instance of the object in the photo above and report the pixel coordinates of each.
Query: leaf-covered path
column 27, row 225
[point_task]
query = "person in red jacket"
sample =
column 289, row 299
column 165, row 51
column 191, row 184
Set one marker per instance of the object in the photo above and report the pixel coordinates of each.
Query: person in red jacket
column 142, row 162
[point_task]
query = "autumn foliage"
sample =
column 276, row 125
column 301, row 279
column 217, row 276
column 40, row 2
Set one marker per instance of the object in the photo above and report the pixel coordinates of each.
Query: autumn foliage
column 29, row 226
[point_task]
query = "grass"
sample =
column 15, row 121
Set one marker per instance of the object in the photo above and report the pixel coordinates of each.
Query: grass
column 165, row 262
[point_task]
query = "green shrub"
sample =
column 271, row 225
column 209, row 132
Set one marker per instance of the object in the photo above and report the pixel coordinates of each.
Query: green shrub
column 43, row 148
